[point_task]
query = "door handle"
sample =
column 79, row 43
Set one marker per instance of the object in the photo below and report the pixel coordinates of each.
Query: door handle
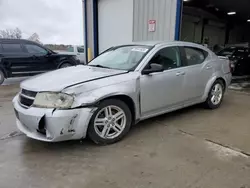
column 35, row 57
column 208, row 67
column 180, row 73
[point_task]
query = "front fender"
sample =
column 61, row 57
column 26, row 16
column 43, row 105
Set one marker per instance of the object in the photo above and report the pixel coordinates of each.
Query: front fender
column 94, row 96
column 91, row 98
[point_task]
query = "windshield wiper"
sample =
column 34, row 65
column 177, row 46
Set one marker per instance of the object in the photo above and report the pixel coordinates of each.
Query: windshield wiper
column 100, row 66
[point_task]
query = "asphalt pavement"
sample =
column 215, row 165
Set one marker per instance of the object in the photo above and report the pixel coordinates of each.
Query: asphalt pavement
column 189, row 148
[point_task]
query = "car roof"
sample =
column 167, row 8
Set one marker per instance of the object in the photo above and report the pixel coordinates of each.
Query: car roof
column 24, row 41
column 177, row 43
column 155, row 43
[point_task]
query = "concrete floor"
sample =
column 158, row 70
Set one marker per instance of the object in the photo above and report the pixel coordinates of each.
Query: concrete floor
column 189, row 148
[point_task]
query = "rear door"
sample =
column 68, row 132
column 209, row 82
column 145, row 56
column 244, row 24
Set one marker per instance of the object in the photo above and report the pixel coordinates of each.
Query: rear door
column 198, row 71
column 15, row 60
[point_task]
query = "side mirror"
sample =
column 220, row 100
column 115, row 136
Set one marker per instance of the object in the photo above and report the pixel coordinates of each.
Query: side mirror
column 153, row 68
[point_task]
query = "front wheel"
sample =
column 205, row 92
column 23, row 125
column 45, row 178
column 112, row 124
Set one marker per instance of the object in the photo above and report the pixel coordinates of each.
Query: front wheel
column 64, row 65
column 215, row 95
column 1, row 77
column 110, row 122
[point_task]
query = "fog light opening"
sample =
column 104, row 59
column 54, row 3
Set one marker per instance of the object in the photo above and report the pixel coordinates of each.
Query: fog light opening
column 41, row 126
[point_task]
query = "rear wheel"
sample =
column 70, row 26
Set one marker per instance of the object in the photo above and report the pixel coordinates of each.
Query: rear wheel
column 2, row 77
column 110, row 122
column 215, row 95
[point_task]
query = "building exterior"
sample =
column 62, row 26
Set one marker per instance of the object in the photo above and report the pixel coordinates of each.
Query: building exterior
column 114, row 22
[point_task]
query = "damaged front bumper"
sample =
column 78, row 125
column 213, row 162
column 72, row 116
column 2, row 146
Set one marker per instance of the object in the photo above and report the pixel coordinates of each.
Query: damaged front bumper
column 52, row 125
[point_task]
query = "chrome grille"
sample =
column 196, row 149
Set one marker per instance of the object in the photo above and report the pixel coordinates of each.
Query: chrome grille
column 26, row 98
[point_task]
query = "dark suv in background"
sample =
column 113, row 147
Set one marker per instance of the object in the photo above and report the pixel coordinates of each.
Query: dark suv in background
column 239, row 57
column 26, row 58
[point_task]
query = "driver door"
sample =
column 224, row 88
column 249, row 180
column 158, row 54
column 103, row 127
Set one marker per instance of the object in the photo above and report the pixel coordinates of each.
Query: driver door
column 163, row 91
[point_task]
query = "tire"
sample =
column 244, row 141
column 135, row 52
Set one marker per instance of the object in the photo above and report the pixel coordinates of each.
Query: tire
column 2, row 77
column 106, row 130
column 64, row 65
column 218, row 88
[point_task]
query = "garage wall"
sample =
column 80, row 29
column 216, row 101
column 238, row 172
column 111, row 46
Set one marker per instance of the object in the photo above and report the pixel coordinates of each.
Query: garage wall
column 115, row 23
column 191, row 28
column 163, row 11
column 239, row 34
column 192, row 23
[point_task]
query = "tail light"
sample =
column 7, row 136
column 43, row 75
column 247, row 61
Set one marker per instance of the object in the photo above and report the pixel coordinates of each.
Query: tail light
column 231, row 65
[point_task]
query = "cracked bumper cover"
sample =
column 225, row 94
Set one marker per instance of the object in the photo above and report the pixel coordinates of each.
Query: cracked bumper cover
column 60, row 125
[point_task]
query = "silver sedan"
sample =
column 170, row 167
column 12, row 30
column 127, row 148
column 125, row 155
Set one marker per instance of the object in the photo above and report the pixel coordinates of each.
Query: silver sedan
column 119, row 88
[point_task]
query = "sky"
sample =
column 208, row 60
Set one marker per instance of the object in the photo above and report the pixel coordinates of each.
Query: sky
column 55, row 21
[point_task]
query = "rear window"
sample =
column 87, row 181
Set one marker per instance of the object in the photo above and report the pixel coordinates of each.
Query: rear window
column 195, row 56
column 11, row 48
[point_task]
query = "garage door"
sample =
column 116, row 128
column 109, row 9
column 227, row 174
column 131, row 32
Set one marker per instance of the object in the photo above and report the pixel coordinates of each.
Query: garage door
column 188, row 31
column 190, row 28
column 115, row 22
column 215, row 34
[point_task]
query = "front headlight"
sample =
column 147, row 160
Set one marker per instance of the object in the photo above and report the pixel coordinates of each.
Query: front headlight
column 53, row 100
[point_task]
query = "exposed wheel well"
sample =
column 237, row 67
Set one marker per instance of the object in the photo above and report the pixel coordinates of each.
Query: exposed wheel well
column 223, row 81
column 64, row 62
column 127, row 100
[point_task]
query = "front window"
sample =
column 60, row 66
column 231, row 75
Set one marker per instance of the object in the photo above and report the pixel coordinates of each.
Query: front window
column 122, row 57
column 34, row 49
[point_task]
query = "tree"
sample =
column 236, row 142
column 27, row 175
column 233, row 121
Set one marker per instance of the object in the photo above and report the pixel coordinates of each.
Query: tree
column 11, row 33
column 34, row 37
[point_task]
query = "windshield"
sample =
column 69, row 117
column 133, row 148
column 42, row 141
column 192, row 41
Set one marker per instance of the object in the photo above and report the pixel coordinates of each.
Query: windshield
column 123, row 57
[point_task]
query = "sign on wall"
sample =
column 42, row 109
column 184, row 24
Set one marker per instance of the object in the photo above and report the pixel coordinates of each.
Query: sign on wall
column 151, row 25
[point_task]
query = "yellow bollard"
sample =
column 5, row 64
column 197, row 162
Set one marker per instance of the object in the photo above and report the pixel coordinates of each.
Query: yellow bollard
column 89, row 54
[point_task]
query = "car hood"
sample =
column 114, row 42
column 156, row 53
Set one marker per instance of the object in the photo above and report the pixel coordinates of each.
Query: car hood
column 60, row 53
column 59, row 79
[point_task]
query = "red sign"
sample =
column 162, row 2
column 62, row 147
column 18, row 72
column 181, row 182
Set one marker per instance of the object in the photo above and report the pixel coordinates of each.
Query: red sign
column 151, row 25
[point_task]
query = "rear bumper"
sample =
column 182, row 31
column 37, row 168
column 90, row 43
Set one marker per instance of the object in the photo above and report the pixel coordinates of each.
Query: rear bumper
column 52, row 125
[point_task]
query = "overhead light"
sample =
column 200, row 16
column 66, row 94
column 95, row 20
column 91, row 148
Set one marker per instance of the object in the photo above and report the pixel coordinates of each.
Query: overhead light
column 231, row 13
column 186, row 0
column 248, row 20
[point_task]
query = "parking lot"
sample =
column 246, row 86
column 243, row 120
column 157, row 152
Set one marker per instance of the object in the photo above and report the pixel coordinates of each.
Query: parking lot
column 193, row 147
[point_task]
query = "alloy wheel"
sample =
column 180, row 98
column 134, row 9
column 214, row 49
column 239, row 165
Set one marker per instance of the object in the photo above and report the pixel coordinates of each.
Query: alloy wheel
column 110, row 122
column 216, row 94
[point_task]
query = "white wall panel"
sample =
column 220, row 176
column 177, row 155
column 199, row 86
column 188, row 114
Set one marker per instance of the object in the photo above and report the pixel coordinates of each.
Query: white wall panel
column 115, row 23
column 163, row 11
